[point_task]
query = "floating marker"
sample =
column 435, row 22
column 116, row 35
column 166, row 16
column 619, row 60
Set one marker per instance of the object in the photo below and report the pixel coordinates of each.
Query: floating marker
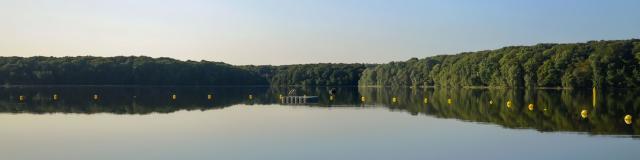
column 209, row 97
column 584, row 113
column 545, row 109
column 174, row 97
column 394, row 99
column 628, row 119
column 362, row 99
column 449, row 101
column 250, row 96
column 594, row 96
column 331, row 98
column 95, row 97
column 508, row 104
column 530, row 107
column 426, row 100
column 490, row 101
column 21, row 98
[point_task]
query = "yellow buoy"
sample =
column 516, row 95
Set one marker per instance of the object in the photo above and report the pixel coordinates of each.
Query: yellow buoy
column 530, row 107
column 95, row 97
column 584, row 113
column 508, row 104
column 209, row 97
column 250, row 96
column 331, row 98
column 594, row 96
column 628, row 119
column 21, row 98
column 362, row 98
column 449, row 101
column 174, row 97
column 394, row 99
column 490, row 101
column 426, row 100
column 55, row 97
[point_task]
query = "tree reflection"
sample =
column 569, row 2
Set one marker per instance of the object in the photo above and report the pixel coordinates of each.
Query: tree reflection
column 613, row 113
column 543, row 110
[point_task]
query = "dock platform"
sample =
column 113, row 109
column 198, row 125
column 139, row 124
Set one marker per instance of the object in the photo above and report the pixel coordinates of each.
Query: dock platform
column 300, row 99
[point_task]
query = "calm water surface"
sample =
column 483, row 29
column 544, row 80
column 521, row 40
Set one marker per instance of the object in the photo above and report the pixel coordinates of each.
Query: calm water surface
column 391, row 123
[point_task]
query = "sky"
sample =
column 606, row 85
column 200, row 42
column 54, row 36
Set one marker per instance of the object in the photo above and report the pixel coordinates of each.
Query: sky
column 280, row 32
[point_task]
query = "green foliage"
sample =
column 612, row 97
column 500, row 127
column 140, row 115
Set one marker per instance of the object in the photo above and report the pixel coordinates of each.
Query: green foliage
column 595, row 63
column 166, row 71
column 323, row 74
column 121, row 71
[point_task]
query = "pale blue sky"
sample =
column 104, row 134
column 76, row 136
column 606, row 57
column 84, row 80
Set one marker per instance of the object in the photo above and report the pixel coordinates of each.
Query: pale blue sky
column 303, row 31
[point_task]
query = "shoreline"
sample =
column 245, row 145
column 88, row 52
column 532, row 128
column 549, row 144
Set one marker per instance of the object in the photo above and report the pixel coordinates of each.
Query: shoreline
column 358, row 86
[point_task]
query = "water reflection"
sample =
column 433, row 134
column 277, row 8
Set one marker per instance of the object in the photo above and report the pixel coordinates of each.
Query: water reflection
column 608, row 113
column 543, row 110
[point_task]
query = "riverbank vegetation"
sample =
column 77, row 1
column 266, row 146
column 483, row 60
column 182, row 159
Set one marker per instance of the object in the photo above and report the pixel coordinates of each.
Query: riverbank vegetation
column 88, row 70
column 322, row 74
column 121, row 71
column 614, row 63
column 595, row 63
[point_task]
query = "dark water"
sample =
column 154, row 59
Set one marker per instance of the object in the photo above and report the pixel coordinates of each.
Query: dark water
column 391, row 123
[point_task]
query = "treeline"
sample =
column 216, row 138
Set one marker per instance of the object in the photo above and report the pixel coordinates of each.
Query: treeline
column 596, row 63
column 322, row 74
column 133, row 70
column 121, row 71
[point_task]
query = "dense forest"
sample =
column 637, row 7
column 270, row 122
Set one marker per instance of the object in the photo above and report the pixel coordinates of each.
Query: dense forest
column 596, row 63
column 613, row 63
column 121, row 71
column 311, row 74
column 167, row 71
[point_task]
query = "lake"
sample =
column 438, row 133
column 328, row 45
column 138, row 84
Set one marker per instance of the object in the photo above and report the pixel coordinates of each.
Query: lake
column 93, row 122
